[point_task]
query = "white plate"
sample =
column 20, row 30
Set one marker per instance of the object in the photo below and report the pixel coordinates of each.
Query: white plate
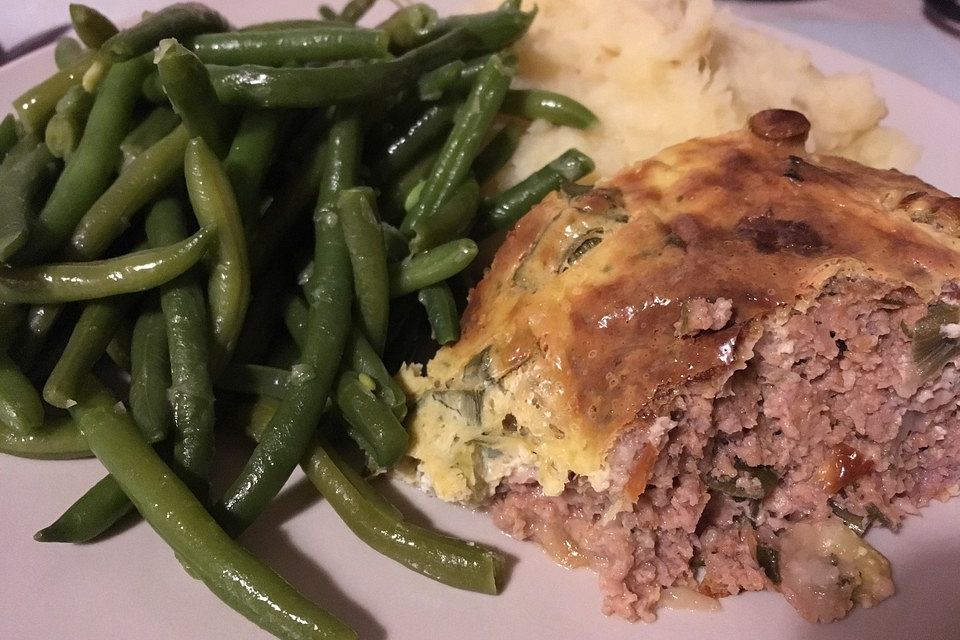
column 131, row 586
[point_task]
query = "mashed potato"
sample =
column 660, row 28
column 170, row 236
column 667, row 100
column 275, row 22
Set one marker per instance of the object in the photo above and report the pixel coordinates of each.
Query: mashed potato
column 658, row 72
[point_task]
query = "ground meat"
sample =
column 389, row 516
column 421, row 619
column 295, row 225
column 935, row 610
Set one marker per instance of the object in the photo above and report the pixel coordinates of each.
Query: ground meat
column 830, row 407
column 699, row 314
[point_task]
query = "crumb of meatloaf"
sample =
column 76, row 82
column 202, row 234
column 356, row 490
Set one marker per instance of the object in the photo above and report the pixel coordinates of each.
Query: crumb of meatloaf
column 827, row 420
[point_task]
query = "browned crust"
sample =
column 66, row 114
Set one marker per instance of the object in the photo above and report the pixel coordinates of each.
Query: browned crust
column 745, row 216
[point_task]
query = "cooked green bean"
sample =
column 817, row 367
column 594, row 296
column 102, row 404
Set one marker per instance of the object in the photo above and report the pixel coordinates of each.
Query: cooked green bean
column 555, row 108
column 20, row 406
column 407, row 26
column 279, row 25
column 359, row 355
column 444, row 82
column 354, row 10
column 314, row 45
column 289, row 431
column 249, row 157
column 146, row 177
column 231, row 572
column 255, row 379
column 432, row 84
column 92, row 165
column 156, row 126
column 442, row 312
column 472, row 121
column 295, row 314
column 150, row 375
column 91, row 515
column 67, row 52
column 447, row 560
column 216, row 207
column 451, row 221
column 36, row 105
column 371, row 422
column 22, row 176
column 57, row 439
column 152, row 89
column 11, row 317
column 187, row 85
column 118, row 349
column 400, row 154
column 8, row 135
column 395, row 195
column 495, row 155
column 350, row 82
column 65, row 128
column 180, row 20
column 493, row 30
column 40, row 321
column 187, row 330
column 72, row 281
column 395, row 242
column 432, row 266
column 92, row 27
column 503, row 211
column 368, row 257
column 94, row 329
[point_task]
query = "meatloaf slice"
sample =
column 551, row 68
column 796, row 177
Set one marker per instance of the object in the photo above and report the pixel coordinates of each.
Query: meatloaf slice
column 711, row 373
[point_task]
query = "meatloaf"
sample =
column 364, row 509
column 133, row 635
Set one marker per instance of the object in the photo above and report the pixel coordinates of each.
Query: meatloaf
column 713, row 372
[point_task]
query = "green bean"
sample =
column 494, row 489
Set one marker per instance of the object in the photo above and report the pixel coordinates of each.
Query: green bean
column 395, row 195
column 495, row 155
column 90, row 516
column 22, row 176
column 94, row 329
column 341, row 157
column 156, row 126
column 249, row 157
column 73, row 281
column 432, row 266
column 20, row 406
column 262, row 321
column 359, row 355
column 503, row 211
column 36, row 105
column 143, row 180
column 368, row 257
column 295, row 314
column 118, row 349
column 57, row 439
column 187, row 84
column 152, row 89
column 395, row 242
column 328, row 14
column 191, row 390
column 280, row 25
column 431, row 85
column 371, row 422
column 231, row 572
column 65, row 128
column 92, row 27
column 67, row 52
column 11, row 318
column 451, row 221
column 555, row 108
column 354, row 10
column 472, row 121
column 442, row 312
column 260, row 86
column 494, row 30
column 313, row 45
column 8, row 135
column 92, row 165
column 180, row 20
column 407, row 26
column 431, row 126
column 150, row 375
column 286, row 437
column 216, row 207
column 447, row 560
column 255, row 379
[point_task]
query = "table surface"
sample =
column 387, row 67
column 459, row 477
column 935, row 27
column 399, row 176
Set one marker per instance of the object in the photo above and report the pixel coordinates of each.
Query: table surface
column 891, row 33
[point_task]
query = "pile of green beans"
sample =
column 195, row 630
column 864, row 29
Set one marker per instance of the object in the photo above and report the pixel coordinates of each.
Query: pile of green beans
column 253, row 229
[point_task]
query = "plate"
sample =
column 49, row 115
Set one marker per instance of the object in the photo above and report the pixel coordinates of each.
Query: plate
column 131, row 586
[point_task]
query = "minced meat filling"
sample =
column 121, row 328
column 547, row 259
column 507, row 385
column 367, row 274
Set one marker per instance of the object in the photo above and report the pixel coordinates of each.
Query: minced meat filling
column 829, row 423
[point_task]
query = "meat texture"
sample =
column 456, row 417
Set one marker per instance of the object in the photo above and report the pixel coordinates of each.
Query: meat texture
column 715, row 371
